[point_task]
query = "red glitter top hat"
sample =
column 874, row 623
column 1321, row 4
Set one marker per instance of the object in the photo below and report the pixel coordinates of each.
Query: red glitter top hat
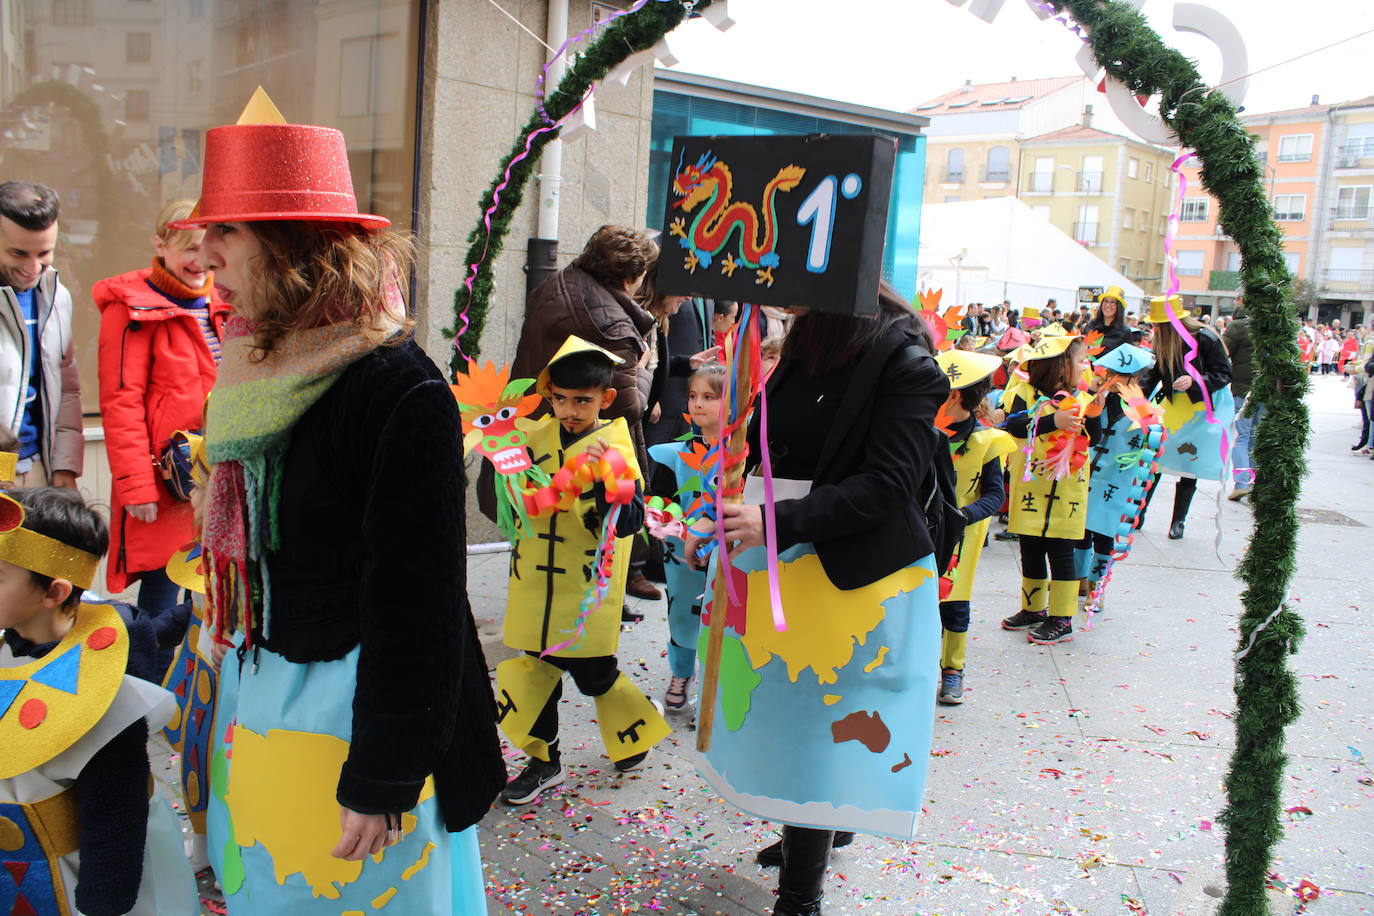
column 265, row 169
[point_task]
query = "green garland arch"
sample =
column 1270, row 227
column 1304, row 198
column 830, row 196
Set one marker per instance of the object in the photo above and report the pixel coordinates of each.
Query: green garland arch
column 1123, row 42
column 625, row 35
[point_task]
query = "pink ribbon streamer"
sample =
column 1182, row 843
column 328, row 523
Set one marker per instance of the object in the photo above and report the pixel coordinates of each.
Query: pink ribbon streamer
column 770, row 521
column 1171, row 257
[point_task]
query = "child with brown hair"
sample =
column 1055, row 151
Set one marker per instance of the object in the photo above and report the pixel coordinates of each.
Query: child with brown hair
column 682, row 474
column 1055, row 424
column 74, row 711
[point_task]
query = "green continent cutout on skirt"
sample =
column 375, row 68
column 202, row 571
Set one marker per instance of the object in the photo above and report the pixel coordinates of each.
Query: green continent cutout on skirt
column 737, row 679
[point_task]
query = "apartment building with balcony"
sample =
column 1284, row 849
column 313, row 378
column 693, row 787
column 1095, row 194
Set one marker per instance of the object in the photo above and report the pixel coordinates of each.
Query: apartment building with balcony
column 1290, row 144
column 1109, row 192
column 1055, row 144
column 1344, row 261
column 1318, row 164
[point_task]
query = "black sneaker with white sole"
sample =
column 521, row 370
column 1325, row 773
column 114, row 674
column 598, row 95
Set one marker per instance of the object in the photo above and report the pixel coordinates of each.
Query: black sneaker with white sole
column 1052, row 631
column 537, row 776
column 630, row 764
column 1023, row 619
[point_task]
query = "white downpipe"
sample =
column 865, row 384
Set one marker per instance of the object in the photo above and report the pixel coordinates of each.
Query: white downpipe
column 551, row 161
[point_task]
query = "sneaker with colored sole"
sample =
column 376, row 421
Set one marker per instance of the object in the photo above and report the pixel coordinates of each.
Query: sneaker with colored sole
column 1023, row 619
column 1052, row 631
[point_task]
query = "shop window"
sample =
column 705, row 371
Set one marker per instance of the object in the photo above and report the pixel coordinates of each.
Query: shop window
column 117, row 138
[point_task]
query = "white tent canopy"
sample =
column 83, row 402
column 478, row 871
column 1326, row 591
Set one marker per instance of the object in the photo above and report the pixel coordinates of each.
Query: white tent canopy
column 990, row 250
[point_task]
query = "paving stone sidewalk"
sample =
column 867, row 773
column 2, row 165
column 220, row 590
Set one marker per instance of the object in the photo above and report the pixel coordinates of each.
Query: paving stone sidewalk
column 1083, row 778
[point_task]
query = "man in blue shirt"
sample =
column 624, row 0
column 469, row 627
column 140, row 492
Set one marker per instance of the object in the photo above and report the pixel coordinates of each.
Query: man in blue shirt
column 40, row 391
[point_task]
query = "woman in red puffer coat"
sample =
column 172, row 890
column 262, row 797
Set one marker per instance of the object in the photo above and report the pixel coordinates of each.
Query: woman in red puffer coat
column 159, row 349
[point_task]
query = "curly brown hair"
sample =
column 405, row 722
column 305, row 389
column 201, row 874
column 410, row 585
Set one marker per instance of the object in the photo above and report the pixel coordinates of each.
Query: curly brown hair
column 617, row 254
column 314, row 273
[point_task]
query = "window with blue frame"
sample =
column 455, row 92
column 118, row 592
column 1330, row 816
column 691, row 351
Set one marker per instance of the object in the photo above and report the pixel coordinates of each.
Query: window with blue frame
column 676, row 114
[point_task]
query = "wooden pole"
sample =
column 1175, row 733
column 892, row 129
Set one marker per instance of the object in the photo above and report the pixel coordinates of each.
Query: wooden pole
column 733, row 473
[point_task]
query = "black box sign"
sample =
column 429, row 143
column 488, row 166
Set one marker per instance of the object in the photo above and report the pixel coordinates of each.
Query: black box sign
column 780, row 220
column 1087, row 295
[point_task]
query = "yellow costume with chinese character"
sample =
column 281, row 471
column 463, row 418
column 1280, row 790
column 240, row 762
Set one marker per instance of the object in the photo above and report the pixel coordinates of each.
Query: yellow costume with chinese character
column 983, row 445
column 1042, row 506
column 551, row 573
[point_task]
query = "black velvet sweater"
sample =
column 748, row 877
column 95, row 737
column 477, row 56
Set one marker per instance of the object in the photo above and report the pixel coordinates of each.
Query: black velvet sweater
column 373, row 553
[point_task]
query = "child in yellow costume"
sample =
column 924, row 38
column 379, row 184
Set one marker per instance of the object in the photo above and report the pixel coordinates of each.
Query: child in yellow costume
column 1049, row 493
column 977, row 451
column 78, row 830
column 552, row 569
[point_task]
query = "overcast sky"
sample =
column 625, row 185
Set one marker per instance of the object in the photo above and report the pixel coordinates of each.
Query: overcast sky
column 897, row 53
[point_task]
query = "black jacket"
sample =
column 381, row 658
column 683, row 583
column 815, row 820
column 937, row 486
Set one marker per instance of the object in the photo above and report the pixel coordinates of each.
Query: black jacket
column 372, row 552
column 1241, row 349
column 1113, row 336
column 863, row 511
column 689, row 332
column 1212, row 362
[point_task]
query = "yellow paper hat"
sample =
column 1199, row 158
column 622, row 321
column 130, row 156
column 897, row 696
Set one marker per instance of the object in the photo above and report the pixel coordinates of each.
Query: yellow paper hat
column 1113, row 292
column 572, row 345
column 1048, row 347
column 1053, row 330
column 1030, row 311
column 185, row 568
column 965, row 367
column 1160, row 315
column 9, row 461
column 39, row 553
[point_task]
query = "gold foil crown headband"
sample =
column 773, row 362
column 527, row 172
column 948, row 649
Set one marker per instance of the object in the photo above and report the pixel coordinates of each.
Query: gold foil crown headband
column 39, row 553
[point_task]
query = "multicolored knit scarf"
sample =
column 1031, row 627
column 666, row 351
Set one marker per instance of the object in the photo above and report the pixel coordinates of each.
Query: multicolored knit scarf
column 252, row 410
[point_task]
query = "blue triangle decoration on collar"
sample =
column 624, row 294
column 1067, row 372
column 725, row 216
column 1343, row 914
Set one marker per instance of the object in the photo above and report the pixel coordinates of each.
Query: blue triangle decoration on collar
column 61, row 672
column 8, row 691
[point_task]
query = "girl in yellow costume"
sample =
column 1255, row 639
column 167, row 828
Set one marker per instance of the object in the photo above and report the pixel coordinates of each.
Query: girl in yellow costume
column 551, row 572
column 977, row 451
column 1049, row 494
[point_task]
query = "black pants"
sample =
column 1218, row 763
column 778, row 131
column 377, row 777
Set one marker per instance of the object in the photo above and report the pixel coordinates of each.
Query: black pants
column 1183, row 499
column 1047, row 558
column 954, row 615
column 801, row 882
column 1097, row 543
column 593, row 677
column 1364, row 419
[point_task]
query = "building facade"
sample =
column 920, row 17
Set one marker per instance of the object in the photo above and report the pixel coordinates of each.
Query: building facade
column 1110, row 193
column 1318, row 164
column 691, row 105
column 1055, row 144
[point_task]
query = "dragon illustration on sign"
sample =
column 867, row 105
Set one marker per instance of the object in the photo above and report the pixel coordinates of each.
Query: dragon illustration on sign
column 708, row 187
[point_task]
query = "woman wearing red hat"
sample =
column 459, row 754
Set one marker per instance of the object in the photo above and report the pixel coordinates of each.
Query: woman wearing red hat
column 356, row 728
column 159, row 347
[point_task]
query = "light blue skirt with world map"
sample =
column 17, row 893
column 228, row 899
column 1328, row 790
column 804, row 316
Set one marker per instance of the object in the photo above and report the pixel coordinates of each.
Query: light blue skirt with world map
column 281, row 735
column 827, row 724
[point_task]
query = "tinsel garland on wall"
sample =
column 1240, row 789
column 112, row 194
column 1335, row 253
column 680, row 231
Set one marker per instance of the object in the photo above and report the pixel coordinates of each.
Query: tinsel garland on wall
column 1266, row 691
column 625, row 35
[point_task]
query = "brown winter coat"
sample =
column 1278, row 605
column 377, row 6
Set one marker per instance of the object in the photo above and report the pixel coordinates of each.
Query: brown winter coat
column 572, row 301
